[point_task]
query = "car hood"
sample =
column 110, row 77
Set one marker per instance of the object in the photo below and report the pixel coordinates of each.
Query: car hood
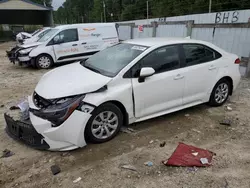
column 69, row 80
column 29, row 45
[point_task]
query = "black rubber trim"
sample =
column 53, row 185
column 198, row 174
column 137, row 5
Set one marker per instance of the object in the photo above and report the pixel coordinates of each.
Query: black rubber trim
column 77, row 55
column 25, row 133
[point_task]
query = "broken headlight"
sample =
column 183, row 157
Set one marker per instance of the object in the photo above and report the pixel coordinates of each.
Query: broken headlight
column 26, row 51
column 59, row 110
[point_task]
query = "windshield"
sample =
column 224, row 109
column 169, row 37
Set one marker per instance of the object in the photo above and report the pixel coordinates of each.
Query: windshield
column 48, row 35
column 36, row 32
column 111, row 61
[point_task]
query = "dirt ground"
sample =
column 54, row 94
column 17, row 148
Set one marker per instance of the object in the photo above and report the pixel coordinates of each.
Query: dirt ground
column 100, row 165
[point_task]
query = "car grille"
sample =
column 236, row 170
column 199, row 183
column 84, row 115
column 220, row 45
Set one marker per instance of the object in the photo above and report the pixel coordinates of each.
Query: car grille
column 40, row 102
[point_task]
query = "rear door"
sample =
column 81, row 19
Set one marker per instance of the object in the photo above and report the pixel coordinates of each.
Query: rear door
column 201, row 66
column 96, row 38
column 68, row 49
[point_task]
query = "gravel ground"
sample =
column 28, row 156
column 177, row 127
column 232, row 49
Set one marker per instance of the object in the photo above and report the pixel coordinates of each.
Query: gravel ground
column 100, row 165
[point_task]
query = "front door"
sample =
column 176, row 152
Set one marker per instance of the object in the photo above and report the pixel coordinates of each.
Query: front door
column 201, row 65
column 163, row 90
column 68, row 47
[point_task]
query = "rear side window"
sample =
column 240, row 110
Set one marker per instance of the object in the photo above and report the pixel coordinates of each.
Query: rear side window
column 196, row 54
column 69, row 35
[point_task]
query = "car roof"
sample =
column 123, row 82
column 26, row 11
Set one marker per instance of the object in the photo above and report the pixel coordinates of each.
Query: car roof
column 158, row 41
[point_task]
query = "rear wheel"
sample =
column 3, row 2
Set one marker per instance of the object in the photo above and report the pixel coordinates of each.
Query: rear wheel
column 220, row 93
column 104, row 124
column 44, row 61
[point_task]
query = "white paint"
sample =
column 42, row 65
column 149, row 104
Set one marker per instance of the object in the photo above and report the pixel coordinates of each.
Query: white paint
column 159, row 94
column 91, row 38
column 80, row 80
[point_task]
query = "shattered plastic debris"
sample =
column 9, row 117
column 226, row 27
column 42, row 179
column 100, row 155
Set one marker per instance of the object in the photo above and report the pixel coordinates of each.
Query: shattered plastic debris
column 192, row 169
column 129, row 167
column 14, row 108
column 24, row 107
column 229, row 108
column 131, row 130
column 77, row 180
column 127, row 130
column 183, row 156
column 195, row 154
column 204, row 160
column 149, row 163
column 162, row 144
column 151, row 142
column 7, row 153
column 226, row 122
column 55, row 169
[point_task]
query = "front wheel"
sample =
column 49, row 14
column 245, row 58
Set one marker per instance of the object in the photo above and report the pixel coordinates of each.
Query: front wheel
column 104, row 124
column 220, row 93
column 44, row 61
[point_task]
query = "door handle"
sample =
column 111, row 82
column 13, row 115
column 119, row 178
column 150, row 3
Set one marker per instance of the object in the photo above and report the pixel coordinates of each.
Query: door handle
column 74, row 44
column 212, row 67
column 84, row 43
column 178, row 77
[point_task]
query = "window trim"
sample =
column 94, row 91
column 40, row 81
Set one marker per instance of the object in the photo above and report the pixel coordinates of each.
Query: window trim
column 198, row 44
column 128, row 73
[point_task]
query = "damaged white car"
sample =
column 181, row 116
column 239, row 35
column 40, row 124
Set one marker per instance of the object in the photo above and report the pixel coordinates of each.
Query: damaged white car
column 133, row 81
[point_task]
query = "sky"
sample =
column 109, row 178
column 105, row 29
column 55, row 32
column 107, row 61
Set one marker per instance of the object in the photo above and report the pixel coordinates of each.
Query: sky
column 57, row 3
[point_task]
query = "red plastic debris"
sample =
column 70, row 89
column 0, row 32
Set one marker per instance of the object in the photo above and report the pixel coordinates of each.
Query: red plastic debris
column 189, row 156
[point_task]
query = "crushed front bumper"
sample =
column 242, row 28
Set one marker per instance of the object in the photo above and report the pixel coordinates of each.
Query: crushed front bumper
column 25, row 132
column 13, row 54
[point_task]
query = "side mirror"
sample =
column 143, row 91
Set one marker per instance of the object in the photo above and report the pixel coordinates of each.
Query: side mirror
column 145, row 72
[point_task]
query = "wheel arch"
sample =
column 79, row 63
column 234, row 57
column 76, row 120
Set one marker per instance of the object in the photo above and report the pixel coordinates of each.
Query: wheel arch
column 230, row 80
column 47, row 55
column 122, row 108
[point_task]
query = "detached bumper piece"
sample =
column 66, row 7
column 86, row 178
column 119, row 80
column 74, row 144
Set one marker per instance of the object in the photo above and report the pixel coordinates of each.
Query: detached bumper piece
column 12, row 55
column 25, row 132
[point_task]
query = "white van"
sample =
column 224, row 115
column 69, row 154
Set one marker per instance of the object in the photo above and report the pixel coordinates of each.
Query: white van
column 69, row 43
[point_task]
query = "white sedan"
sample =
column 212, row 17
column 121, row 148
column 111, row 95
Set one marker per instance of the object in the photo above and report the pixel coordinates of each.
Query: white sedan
column 133, row 81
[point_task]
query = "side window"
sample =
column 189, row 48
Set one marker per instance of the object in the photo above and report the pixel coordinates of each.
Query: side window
column 161, row 60
column 69, row 35
column 196, row 54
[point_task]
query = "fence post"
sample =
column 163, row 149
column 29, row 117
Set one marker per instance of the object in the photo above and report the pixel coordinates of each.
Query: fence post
column 247, row 74
column 155, row 25
column 132, row 25
column 189, row 28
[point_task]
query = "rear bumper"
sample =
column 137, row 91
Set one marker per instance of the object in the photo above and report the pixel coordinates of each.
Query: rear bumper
column 25, row 132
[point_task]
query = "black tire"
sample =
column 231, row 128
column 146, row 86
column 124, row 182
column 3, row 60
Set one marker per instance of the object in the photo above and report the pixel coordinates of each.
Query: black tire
column 47, row 65
column 213, row 101
column 103, row 108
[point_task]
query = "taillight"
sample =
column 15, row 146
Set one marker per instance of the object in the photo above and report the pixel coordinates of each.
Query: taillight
column 237, row 61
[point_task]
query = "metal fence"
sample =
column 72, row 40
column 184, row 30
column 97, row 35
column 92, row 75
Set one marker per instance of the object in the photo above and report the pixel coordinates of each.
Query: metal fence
column 232, row 37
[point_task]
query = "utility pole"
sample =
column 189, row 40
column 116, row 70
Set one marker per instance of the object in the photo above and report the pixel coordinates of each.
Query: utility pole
column 147, row 10
column 104, row 11
column 210, row 6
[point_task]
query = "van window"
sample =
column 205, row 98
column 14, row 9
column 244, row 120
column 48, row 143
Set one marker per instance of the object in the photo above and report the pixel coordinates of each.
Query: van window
column 69, row 35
